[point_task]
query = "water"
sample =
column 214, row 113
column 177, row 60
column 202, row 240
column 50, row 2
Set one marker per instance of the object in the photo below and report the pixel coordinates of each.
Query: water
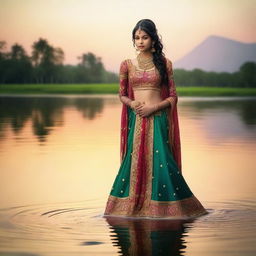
column 59, row 156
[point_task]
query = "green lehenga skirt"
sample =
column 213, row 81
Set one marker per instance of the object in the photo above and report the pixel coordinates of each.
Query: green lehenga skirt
column 150, row 184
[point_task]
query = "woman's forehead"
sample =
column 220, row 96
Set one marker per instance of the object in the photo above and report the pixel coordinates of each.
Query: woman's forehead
column 140, row 32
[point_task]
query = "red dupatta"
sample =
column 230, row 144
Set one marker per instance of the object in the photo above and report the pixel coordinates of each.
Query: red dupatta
column 172, row 113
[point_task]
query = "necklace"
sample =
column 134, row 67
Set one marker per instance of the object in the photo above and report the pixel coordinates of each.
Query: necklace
column 145, row 63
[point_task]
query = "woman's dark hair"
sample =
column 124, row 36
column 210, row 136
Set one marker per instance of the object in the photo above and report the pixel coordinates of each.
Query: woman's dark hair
column 149, row 27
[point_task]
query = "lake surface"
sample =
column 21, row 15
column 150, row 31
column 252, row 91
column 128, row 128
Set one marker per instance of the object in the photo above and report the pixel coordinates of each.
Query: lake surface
column 59, row 156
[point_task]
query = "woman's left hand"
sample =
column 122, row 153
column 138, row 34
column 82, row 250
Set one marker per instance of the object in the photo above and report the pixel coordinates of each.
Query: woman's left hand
column 145, row 109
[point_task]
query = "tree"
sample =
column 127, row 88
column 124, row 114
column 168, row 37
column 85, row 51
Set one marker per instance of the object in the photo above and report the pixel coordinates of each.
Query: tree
column 91, row 67
column 45, row 58
column 21, row 67
column 248, row 74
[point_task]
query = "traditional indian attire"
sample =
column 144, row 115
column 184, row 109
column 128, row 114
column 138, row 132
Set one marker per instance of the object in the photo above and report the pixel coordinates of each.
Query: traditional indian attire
column 149, row 182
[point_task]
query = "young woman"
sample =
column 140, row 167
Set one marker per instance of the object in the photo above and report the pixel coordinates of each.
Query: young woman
column 149, row 182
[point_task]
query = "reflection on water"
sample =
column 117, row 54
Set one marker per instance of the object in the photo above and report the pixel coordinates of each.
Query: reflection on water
column 48, row 111
column 59, row 156
column 43, row 112
column 73, row 229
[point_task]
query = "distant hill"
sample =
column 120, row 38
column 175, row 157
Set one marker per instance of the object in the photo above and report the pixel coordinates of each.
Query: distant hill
column 218, row 54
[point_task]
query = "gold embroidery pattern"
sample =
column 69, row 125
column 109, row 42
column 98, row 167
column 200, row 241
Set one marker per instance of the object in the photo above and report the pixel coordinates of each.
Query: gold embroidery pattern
column 135, row 155
column 169, row 69
column 188, row 207
column 172, row 88
column 149, row 164
column 143, row 80
column 146, row 86
column 123, row 78
column 128, row 204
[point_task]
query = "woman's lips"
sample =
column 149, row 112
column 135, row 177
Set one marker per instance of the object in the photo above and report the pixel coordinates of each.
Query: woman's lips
column 141, row 46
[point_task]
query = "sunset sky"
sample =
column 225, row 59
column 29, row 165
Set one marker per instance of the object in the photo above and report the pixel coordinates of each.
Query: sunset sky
column 105, row 27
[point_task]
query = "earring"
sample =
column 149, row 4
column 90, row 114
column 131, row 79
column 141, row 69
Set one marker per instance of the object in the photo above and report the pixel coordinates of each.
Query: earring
column 152, row 48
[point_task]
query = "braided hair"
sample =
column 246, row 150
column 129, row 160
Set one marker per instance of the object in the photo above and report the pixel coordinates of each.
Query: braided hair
column 149, row 27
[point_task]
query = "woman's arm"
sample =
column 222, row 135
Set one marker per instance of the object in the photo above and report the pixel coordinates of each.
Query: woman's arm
column 126, row 100
column 163, row 104
column 172, row 99
column 123, row 84
column 123, row 89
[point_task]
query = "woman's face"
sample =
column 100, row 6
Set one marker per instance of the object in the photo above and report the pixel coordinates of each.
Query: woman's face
column 142, row 39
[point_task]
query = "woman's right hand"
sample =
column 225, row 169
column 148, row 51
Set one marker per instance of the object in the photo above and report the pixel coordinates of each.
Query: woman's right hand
column 145, row 110
column 134, row 104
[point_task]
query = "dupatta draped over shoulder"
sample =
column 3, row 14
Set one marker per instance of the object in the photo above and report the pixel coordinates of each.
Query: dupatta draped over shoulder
column 167, row 92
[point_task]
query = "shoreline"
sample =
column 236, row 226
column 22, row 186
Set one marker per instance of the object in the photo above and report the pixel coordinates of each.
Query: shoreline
column 98, row 89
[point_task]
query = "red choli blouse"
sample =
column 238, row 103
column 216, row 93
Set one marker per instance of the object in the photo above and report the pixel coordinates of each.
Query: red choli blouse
column 131, row 78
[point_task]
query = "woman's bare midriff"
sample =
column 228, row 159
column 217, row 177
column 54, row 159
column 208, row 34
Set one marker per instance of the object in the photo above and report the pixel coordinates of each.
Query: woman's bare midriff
column 147, row 96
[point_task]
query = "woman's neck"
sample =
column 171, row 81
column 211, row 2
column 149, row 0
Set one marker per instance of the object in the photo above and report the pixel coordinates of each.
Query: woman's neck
column 145, row 54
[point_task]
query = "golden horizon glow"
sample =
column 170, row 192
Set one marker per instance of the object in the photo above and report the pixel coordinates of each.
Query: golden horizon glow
column 104, row 27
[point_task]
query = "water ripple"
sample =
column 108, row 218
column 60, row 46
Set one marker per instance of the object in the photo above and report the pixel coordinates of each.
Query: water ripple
column 71, row 227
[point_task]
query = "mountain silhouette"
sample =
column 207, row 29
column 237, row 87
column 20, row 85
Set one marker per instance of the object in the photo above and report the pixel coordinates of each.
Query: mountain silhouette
column 218, row 54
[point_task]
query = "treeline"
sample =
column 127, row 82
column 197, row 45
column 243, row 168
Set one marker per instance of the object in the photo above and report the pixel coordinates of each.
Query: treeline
column 45, row 65
column 245, row 77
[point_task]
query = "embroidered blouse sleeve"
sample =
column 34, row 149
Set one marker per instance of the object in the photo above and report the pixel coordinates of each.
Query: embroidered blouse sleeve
column 123, row 79
column 172, row 87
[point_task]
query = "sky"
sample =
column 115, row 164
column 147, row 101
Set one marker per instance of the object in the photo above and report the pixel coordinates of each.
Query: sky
column 104, row 27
